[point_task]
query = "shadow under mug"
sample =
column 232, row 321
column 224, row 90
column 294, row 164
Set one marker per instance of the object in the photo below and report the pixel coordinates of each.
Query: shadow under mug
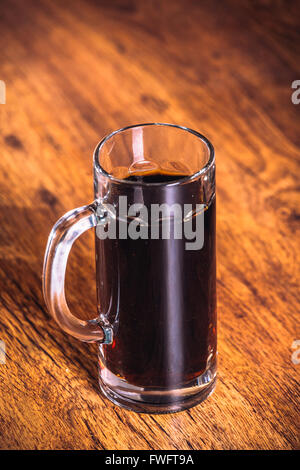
column 156, row 282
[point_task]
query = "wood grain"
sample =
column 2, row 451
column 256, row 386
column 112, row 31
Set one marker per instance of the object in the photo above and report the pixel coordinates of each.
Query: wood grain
column 75, row 71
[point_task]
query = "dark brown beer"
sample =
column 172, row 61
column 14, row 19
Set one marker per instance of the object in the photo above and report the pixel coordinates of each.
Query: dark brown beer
column 159, row 296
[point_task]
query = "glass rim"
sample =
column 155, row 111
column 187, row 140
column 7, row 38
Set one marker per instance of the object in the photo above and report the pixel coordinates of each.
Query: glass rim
column 210, row 162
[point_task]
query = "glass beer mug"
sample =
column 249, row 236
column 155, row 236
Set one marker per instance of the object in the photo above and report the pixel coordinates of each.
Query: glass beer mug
column 154, row 223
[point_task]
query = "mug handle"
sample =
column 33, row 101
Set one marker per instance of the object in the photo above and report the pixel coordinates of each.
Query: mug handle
column 64, row 233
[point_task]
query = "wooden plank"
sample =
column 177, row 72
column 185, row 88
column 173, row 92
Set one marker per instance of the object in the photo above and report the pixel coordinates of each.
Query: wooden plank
column 75, row 71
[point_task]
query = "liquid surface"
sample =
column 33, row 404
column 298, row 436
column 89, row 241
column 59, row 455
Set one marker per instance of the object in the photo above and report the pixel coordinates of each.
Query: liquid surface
column 159, row 296
column 155, row 177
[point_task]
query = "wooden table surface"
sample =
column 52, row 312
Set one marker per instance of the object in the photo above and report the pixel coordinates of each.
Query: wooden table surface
column 76, row 70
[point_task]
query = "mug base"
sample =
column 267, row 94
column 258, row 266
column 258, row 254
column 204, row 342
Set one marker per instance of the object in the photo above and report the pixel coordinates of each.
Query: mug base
column 158, row 401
